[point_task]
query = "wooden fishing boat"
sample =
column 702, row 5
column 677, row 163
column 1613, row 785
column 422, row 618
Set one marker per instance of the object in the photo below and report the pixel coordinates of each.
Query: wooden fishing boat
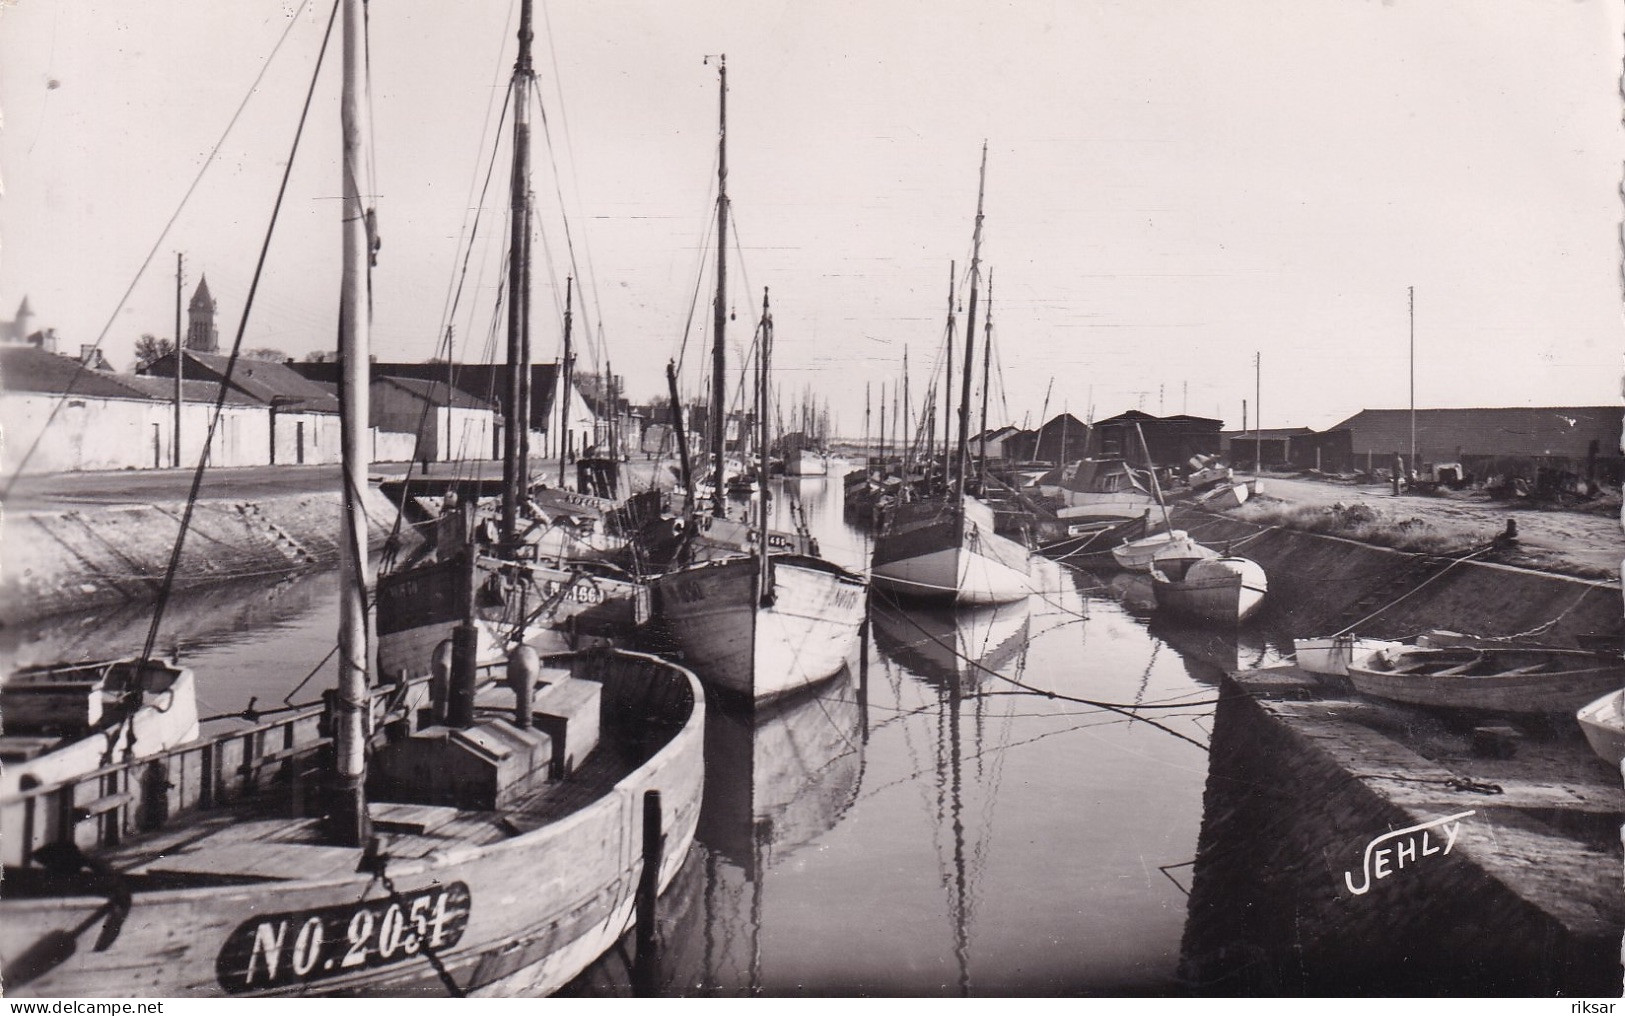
column 1223, row 590
column 1332, row 654
column 806, row 462
column 366, row 846
column 755, row 623
column 1603, row 723
column 65, row 720
column 946, row 545
column 928, row 550
column 1223, row 498
column 1489, row 680
column 762, row 637
column 197, row 872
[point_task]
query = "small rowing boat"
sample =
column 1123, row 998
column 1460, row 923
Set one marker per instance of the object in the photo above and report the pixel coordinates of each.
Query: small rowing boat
column 1603, row 723
column 1489, row 680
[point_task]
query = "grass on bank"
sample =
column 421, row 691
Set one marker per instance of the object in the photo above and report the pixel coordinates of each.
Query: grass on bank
column 1366, row 524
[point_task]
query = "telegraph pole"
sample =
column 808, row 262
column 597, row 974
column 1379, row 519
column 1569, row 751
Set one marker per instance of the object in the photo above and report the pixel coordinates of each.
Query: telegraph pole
column 179, row 359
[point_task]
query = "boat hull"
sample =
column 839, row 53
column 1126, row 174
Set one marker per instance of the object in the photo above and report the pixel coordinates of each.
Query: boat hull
column 1603, row 723
column 1568, row 680
column 928, row 551
column 558, row 609
column 1225, row 590
column 762, row 651
column 1332, row 654
column 1137, row 555
column 527, row 912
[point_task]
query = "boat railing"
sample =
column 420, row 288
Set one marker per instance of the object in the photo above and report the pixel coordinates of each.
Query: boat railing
column 279, row 762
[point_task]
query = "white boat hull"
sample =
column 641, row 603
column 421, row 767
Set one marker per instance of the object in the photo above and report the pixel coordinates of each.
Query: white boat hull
column 1503, row 681
column 1332, row 654
column 1137, row 555
column 1603, row 723
column 761, row 651
column 935, row 553
column 1225, row 590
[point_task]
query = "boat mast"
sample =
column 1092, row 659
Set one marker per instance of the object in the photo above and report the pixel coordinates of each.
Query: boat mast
column 682, row 436
column 764, row 582
column 515, row 427
column 348, row 823
column 564, row 393
column 970, row 330
column 719, row 310
column 948, row 389
column 987, row 361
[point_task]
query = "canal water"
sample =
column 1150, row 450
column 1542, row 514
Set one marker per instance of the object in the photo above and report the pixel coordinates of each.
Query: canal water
column 992, row 801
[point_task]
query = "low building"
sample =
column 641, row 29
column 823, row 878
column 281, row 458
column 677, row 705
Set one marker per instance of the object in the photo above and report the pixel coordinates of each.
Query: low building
column 1532, row 444
column 1272, row 447
column 448, row 424
column 1171, row 440
column 303, row 415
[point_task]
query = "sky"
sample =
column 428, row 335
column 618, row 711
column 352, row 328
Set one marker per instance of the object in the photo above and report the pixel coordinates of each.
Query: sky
column 1172, row 188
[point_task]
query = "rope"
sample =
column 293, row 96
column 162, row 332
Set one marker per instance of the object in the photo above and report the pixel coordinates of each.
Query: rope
column 1416, row 588
column 236, row 350
column 62, row 400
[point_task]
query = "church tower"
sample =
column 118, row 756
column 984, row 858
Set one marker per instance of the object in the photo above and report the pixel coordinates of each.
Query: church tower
column 200, row 334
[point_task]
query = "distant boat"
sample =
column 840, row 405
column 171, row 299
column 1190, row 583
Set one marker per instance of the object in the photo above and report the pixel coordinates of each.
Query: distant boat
column 806, row 462
column 1096, row 489
column 1223, row 590
column 1332, row 654
column 1603, row 723
column 1223, row 498
column 1489, row 680
column 946, row 545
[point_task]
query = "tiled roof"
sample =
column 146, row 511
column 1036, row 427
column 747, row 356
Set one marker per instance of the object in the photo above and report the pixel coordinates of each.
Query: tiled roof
column 163, row 390
column 263, row 380
column 26, row 368
column 434, row 392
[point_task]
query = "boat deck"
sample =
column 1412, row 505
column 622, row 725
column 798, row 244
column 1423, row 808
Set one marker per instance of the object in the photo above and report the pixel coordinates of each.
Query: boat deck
column 251, row 842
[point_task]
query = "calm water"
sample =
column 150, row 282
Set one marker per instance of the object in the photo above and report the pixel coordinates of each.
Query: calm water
column 932, row 822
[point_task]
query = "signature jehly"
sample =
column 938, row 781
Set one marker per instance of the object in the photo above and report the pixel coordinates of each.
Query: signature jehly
column 1393, row 851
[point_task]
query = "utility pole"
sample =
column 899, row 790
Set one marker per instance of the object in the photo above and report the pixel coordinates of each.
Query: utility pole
column 180, row 360
column 1258, row 413
column 1413, row 377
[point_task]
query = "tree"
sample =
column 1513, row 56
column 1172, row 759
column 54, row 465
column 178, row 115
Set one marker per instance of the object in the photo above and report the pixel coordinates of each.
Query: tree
column 149, row 348
column 266, row 353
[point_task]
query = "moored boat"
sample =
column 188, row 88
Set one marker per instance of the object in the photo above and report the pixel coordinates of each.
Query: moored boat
column 1222, row 590
column 1488, row 679
column 1332, row 654
column 1603, row 723
column 928, row 550
column 366, row 846
column 1137, row 555
column 65, row 720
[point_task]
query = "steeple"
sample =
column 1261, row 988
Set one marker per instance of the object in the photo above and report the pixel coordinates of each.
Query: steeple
column 200, row 333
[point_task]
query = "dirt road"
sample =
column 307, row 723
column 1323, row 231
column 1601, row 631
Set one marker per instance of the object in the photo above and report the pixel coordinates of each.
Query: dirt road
column 1575, row 543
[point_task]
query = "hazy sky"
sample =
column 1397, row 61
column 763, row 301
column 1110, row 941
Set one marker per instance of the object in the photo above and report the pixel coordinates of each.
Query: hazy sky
column 1171, row 187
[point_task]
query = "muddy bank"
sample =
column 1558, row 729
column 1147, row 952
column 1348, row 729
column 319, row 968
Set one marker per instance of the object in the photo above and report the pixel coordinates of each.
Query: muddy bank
column 1322, row 584
column 57, row 560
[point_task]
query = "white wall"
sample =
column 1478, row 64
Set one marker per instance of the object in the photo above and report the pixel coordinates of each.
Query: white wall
column 392, row 446
column 92, row 433
column 321, row 438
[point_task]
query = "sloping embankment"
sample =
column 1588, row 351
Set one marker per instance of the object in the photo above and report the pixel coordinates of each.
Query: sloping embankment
column 1320, row 584
column 58, row 560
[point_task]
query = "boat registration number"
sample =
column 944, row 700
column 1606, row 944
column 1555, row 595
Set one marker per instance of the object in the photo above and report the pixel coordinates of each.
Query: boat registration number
column 278, row 950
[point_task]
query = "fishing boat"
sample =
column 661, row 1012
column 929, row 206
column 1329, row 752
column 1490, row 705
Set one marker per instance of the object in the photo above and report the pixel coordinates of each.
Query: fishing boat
column 1603, row 723
column 947, row 546
column 539, row 574
column 755, row 624
column 1333, row 654
column 1221, row 590
column 1489, row 680
column 68, row 719
column 366, row 846
column 806, row 462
